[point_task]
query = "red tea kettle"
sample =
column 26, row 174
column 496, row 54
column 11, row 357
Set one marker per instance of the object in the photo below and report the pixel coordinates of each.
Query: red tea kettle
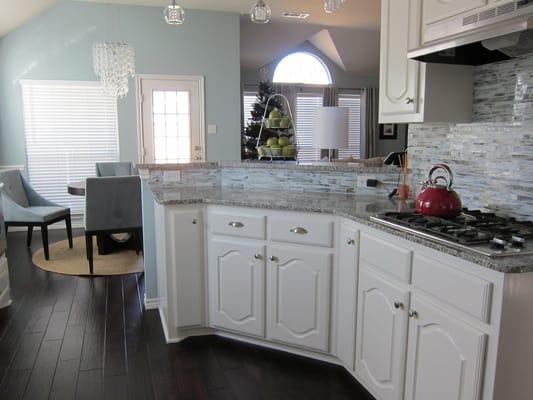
column 438, row 199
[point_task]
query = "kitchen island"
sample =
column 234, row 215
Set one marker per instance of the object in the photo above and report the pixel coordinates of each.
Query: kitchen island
column 307, row 272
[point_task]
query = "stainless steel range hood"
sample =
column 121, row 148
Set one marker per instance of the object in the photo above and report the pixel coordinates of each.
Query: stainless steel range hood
column 494, row 34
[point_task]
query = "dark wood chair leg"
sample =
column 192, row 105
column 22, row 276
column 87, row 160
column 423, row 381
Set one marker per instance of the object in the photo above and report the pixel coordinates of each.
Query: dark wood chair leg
column 29, row 236
column 44, row 233
column 68, row 222
column 6, row 227
column 89, row 246
column 137, row 238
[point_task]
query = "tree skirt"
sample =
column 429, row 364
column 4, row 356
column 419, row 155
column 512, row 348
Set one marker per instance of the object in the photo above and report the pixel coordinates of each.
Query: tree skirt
column 74, row 261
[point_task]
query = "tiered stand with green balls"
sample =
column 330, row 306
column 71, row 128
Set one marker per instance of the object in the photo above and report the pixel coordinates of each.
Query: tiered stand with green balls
column 282, row 139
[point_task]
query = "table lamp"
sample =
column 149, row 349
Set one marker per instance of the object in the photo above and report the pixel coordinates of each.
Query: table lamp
column 331, row 129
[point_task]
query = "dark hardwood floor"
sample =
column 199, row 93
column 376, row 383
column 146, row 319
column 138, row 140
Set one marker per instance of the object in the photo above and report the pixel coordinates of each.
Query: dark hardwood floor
column 90, row 338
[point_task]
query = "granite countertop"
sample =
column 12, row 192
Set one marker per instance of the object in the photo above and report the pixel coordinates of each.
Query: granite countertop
column 353, row 207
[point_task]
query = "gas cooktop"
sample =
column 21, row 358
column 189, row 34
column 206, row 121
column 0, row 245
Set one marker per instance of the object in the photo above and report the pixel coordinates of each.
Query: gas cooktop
column 483, row 233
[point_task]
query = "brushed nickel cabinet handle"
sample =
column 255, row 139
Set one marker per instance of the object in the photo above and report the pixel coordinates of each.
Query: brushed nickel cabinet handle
column 273, row 258
column 194, row 222
column 236, row 224
column 398, row 305
column 299, row 230
column 409, row 100
column 258, row 256
column 413, row 314
column 350, row 242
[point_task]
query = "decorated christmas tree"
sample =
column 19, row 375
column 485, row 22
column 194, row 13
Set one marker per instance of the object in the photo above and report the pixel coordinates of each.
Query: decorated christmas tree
column 251, row 131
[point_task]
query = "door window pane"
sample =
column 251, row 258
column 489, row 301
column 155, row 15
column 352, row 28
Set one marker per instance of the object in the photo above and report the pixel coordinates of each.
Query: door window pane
column 172, row 121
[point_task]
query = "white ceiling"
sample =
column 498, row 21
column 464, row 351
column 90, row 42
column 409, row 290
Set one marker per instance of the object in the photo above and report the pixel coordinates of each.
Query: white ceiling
column 356, row 13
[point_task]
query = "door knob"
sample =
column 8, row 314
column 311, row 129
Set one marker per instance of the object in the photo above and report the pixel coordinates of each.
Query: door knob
column 413, row 314
column 398, row 305
column 257, row 256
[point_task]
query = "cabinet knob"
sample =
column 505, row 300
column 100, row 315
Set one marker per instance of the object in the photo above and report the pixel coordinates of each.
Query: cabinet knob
column 409, row 100
column 257, row 256
column 194, row 222
column 273, row 258
column 236, row 224
column 350, row 242
column 413, row 314
column 398, row 305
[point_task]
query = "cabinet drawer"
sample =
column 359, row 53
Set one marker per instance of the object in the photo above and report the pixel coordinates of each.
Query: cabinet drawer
column 237, row 224
column 463, row 291
column 302, row 230
column 393, row 260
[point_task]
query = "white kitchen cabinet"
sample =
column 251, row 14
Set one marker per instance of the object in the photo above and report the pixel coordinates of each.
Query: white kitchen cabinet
column 411, row 91
column 445, row 355
column 300, row 290
column 180, row 267
column 237, row 280
column 347, row 293
column 381, row 335
column 436, row 10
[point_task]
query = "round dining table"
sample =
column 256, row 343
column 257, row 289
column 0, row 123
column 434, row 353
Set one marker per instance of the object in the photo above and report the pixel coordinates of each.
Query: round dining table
column 76, row 188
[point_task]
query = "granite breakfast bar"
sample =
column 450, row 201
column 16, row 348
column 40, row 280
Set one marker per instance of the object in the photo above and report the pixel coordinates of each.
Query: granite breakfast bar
column 239, row 247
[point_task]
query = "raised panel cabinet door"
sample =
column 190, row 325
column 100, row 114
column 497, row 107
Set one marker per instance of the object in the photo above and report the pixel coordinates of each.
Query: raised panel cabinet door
column 237, row 280
column 399, row 76
column 436, row 10
column 445, row 356
column 300, row 290
column 187, row 254
column 347, row 294
column 382, row 317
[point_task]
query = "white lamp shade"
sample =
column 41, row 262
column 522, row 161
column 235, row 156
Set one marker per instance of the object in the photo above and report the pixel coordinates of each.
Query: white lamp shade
column 331, row 128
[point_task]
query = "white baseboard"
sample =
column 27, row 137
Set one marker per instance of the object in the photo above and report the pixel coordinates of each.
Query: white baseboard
column 19, row 167
column 151, row 304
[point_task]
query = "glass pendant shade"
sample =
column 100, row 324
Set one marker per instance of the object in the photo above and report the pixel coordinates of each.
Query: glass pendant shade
column 174, row 14
column 260, row 13
column 331, row 6
column 114, row 63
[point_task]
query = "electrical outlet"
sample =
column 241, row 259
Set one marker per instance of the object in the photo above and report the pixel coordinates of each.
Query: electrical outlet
column 362, row 180
column 171, row 176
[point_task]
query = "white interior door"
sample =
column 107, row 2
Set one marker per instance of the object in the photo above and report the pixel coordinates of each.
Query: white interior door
column 172, row 119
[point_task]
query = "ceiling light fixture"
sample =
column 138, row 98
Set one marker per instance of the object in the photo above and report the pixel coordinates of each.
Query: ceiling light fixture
column 331, row 6
column 174, row 14
column 260, row 13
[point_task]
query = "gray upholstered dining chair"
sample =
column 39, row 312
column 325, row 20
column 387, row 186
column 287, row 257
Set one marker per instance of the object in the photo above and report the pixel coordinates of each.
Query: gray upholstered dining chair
column 112, row 205
column 115, row 169
column 23, row 206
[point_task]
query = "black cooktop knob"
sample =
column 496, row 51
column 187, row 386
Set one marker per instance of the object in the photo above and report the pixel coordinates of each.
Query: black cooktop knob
column 518, row 241
column 498, row 243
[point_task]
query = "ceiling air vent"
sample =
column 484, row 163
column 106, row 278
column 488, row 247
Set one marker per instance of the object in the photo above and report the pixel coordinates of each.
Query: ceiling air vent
column 295, row 15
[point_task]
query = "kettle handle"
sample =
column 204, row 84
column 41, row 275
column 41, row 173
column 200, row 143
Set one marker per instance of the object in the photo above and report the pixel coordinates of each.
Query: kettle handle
column 449, row 180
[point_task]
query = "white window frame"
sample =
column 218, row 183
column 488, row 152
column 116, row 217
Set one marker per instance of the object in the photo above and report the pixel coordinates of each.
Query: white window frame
column 199, row 79
column 66, row 83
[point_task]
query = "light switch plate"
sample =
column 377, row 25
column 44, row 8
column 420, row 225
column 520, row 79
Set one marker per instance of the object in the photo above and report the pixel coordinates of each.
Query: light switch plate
column 212, row 129
column 171, row 176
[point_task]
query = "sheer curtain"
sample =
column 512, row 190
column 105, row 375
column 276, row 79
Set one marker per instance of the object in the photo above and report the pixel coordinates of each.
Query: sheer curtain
column 370, row 127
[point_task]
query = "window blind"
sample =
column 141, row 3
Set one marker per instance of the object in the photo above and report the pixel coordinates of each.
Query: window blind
column 69, row 126
column 306, row 105
column 353, row 102
column 248, row 101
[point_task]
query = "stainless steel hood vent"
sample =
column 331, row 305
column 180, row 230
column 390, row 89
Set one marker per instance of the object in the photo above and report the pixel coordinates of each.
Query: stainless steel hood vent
column 495, row 34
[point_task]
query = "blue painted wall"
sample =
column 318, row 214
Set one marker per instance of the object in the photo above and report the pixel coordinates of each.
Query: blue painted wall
column 58, row 45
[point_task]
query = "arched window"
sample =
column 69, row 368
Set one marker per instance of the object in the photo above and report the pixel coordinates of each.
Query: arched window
column 303, row 68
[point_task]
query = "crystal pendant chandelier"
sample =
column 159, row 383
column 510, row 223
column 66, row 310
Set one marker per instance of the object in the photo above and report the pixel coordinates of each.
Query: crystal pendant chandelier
column 114, row 63
column 260, row 13
column 174, row 14
column 331, row 6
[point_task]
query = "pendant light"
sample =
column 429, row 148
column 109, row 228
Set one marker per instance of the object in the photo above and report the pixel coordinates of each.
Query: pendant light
column 331, row 6
column 174, row 14
column 260, row 13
